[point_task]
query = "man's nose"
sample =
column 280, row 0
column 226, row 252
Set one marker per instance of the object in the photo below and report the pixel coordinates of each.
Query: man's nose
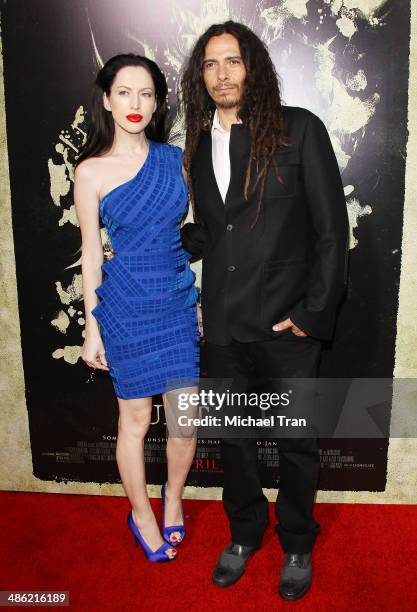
column 222, row 73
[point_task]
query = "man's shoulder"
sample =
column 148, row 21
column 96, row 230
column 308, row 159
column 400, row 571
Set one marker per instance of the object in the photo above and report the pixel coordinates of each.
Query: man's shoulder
column 297, row 114
column 296, row 119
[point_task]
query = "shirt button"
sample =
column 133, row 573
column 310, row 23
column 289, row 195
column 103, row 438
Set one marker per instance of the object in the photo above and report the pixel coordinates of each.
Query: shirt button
column 231, row 268
column 229, row 227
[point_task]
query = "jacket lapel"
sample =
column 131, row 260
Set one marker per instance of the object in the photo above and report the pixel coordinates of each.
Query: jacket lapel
column 239, row 150
column 203, row 164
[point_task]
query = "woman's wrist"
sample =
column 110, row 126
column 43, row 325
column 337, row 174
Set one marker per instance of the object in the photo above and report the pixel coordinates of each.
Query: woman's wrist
column 91, row 327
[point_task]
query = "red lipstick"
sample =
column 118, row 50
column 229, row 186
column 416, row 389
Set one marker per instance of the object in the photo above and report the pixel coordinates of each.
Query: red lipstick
column 134, row 118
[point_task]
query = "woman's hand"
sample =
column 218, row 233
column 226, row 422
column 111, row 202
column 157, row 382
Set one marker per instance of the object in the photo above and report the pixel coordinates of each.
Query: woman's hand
column 93, row 353
column 200, row 320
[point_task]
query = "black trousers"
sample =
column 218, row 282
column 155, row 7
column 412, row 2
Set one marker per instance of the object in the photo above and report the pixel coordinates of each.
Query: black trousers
column 245, row 504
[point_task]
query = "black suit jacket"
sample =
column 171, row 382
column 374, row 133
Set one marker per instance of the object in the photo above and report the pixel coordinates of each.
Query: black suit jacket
column 293, row 263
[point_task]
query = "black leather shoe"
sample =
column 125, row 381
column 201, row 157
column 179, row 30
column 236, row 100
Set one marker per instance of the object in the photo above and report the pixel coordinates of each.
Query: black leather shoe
column 296, row 576
column 231, row 564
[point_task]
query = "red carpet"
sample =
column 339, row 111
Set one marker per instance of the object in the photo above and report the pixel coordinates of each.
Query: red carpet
column 364, row 558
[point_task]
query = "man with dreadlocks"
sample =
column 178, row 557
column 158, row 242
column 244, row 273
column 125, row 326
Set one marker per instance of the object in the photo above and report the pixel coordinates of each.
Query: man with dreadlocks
column 272, row 230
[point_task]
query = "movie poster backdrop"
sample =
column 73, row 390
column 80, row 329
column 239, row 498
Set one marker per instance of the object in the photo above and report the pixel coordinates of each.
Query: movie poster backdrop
column 347, row 62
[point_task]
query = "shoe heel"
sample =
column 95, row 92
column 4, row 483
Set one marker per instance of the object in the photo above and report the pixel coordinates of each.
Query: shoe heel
column 156, row 556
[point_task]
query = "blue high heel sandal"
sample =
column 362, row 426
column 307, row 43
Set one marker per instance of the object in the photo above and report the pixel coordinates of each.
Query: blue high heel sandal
column 157, row 556
column 168, row 531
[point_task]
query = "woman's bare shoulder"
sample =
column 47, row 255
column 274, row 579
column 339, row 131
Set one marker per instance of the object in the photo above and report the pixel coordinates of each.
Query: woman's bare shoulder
column 90, row 168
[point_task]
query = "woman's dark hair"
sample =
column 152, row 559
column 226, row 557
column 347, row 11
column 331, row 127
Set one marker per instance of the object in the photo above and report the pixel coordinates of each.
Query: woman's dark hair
column 100, row 134
column 260, row 105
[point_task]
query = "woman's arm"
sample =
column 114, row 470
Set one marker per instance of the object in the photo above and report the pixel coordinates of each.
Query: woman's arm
column 86, row 205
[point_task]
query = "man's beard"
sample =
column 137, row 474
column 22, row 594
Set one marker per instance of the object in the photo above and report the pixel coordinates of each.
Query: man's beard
column 225, row 104
column 230, row 99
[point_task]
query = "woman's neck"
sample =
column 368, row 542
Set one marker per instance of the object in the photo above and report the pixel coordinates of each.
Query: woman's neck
column 128, row 144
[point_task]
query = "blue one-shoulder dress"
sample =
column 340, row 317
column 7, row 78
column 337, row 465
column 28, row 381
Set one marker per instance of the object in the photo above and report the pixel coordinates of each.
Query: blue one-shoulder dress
column 147, row 310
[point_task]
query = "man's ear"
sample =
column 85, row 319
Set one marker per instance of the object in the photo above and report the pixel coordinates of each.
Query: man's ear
column 106, row 102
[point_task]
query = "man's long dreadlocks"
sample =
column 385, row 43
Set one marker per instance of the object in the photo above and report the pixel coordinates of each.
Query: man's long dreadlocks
column 259, row 109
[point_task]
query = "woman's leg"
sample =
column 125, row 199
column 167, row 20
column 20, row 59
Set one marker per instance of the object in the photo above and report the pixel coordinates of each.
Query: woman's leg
column 134, row 420
column 181, row 445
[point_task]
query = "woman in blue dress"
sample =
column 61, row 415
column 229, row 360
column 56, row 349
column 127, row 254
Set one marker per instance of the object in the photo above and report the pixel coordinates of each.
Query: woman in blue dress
column 141, row 319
